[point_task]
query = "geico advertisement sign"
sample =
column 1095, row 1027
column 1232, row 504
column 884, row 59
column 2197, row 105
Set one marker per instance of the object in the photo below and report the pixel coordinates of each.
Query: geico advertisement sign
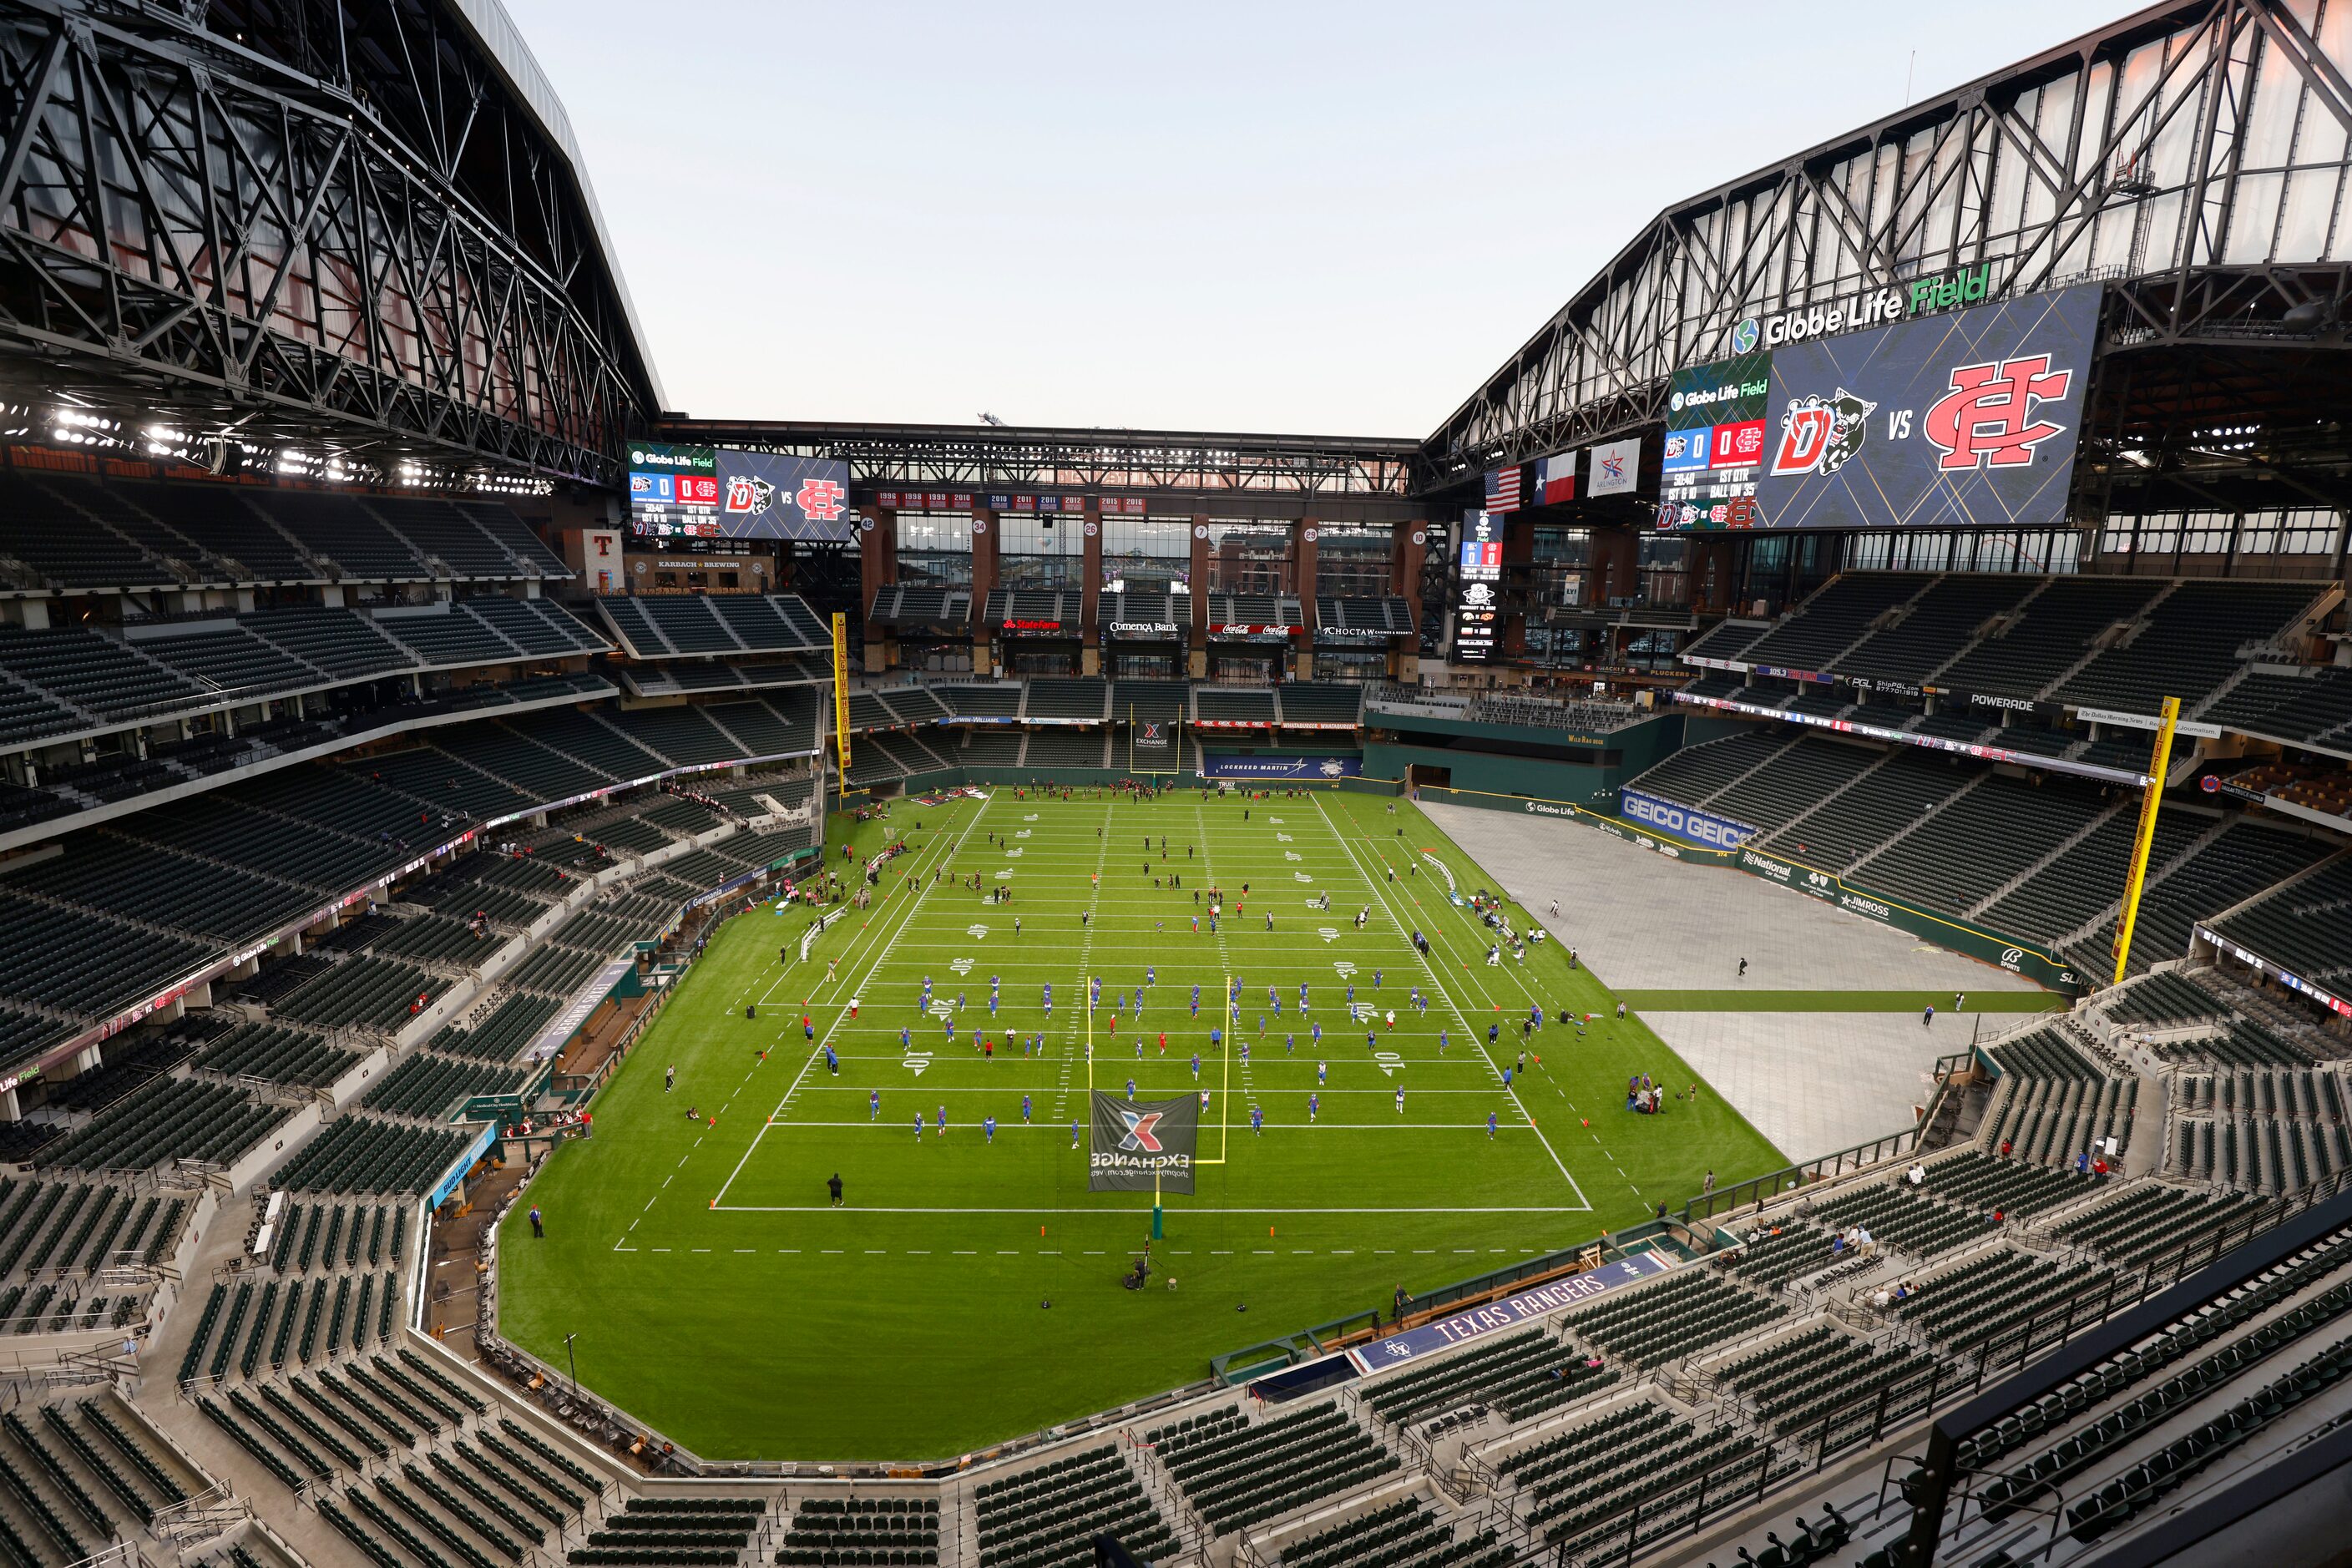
column 1697, row 826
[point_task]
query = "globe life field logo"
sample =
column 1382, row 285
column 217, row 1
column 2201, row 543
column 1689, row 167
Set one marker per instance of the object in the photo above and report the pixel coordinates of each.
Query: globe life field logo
column 1869, row 308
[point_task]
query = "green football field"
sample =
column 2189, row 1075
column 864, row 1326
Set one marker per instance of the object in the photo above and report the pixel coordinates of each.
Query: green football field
column 715, row 1293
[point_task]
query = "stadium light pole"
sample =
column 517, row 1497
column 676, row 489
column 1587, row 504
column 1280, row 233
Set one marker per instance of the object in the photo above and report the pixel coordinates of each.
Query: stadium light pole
column 572, row 1357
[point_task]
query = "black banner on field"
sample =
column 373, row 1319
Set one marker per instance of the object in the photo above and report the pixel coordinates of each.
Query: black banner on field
column 1142, row 1145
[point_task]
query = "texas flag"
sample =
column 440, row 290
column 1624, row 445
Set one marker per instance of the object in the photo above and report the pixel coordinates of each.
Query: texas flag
column 1556, row 479
column 1506, row 488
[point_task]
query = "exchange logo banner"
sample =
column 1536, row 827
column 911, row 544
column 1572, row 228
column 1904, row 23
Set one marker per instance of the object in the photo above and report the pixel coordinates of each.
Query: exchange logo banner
column 1143, row 1145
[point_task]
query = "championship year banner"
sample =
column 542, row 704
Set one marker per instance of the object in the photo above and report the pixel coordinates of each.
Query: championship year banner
column 1143, row 1145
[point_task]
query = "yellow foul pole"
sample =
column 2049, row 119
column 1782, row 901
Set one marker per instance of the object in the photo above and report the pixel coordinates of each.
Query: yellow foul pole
column 2158, row 763
column 841, row 693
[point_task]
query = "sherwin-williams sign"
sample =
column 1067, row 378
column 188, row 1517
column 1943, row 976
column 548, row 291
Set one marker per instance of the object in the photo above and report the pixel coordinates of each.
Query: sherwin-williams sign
column 1686, row 823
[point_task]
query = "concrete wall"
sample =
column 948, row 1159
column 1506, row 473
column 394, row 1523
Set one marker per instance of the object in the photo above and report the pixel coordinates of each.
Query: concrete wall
column 1498, row 773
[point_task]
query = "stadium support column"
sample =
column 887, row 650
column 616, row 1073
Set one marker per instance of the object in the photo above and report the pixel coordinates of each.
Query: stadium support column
column 1196, row 640
column 986, row 542
column 1302, row 582
column 878, row 568
column 1613, row 554
column 1711, row 569
column 1408, row 545
column 1519, row 563
column 1090, row 590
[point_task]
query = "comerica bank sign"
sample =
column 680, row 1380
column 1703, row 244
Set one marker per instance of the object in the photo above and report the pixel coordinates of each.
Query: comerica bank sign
column 1867, row 307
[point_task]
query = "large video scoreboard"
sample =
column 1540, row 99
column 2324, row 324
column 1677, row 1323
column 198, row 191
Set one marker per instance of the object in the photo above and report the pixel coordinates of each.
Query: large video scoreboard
column 1967, row 418
column 719, row 500
column 1478, row 578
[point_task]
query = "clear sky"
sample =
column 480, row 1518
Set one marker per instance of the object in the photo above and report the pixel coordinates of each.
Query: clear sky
column 1328, row 219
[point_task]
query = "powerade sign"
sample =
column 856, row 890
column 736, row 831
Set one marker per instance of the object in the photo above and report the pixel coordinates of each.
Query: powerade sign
column 1686, row 823
column 1228, row 766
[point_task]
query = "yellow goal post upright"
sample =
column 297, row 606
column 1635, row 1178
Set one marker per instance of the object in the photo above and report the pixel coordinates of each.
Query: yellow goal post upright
column 841, row 694
column 1172, row 764
column 1225, row 1091
column 2158, row 763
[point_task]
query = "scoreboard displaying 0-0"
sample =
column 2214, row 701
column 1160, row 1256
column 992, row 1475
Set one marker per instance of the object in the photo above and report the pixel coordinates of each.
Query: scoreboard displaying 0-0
column 1477, row 602
column 690, row 497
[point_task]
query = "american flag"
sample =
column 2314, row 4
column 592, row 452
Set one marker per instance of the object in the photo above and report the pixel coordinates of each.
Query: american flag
column 1503, row 489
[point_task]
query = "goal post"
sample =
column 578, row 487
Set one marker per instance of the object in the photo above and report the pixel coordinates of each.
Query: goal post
column 1225, row 1095
column 1154, row 746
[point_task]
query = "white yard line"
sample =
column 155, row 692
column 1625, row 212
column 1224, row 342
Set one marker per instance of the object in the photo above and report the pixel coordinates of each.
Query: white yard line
column 1476, row 1039
column 922, row 893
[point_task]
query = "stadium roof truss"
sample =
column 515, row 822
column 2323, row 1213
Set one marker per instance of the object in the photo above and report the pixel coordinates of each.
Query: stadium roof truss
column 2191, row 154
column 1336, row 476
column 306, row 222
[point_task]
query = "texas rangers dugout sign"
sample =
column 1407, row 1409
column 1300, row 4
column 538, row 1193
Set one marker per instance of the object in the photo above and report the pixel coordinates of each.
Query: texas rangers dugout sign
column 1510, row 1312
column 1143, row 1145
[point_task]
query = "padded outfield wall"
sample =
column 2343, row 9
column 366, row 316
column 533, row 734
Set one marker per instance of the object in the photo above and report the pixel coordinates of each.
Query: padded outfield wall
column 1522, row 760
